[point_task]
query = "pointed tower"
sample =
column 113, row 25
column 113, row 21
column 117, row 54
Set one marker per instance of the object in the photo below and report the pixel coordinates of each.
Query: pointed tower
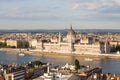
column 59, row 37
column 71, row 27
column 107, row 47
column 48, row 67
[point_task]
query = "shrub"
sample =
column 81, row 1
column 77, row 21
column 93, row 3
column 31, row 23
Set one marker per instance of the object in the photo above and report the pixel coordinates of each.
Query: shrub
column 77, row 65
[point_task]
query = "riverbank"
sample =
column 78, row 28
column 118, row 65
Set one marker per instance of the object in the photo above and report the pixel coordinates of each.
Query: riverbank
column 94, row 56
column 9, row 50
column 57, row 54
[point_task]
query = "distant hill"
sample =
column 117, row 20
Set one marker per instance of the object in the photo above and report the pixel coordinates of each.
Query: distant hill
column 63, row 31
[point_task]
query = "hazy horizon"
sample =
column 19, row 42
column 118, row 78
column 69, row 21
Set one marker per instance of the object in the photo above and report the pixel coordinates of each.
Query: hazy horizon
column 61, row 29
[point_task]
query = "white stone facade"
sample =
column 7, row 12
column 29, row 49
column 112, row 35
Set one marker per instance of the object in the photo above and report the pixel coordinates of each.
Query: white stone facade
column 71, row 47
column 11, row 43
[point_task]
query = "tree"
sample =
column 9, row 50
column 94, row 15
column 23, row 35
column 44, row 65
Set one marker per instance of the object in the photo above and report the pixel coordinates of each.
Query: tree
column 113, row 48
column 77, row 65
column 2, row 44
column 36, row 63
column 26, row 45
column 13, row 46
column 117, row 47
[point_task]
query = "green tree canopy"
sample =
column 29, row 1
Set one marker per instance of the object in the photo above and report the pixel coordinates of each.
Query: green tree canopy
column 77, row 65
column 2, row 44
column 37, row 63
column 115, row 48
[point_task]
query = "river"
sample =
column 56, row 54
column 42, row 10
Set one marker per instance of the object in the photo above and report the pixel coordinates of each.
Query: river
column 108, row 65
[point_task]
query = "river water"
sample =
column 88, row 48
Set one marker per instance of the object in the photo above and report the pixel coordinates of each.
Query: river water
column 108, row 65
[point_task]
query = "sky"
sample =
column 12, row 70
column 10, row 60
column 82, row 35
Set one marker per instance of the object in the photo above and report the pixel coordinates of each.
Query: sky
column 59, row 14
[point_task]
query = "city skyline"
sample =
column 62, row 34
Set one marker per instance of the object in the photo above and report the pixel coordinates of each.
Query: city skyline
column 59, row 14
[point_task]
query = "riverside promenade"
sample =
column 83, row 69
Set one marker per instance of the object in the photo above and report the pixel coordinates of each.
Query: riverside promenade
column 58, row 54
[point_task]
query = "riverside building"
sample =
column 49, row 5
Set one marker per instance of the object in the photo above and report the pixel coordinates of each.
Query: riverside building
column 15, row 73
column 71, row 44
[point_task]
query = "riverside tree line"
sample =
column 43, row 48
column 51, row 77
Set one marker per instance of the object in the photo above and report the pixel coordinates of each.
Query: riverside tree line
column 21, row 45
column 115, row 48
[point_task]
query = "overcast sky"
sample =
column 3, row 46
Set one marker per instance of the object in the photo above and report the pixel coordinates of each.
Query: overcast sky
column 59, row 14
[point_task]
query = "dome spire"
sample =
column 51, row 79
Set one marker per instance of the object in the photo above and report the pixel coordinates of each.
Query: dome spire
column 71, row 27
column 71, row 31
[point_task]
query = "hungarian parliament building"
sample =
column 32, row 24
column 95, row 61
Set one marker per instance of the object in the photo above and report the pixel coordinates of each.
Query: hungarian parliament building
column 70, row 44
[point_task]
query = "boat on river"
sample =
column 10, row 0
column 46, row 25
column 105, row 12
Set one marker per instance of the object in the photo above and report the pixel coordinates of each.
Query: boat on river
column 21, row 54
column 88, row 59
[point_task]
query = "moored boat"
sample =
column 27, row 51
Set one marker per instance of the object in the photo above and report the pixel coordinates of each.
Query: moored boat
column 88, row 59
column 21, row 54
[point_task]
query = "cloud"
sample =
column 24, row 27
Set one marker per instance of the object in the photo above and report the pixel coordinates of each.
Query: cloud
column 11, row 0
column 95, row 4
column 75, row 6
column 28, row 13
column 64, row 10
column 117, row 1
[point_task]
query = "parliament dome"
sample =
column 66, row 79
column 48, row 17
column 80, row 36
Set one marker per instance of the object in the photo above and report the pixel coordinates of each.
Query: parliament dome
column 71, row 32
column 71, row 35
